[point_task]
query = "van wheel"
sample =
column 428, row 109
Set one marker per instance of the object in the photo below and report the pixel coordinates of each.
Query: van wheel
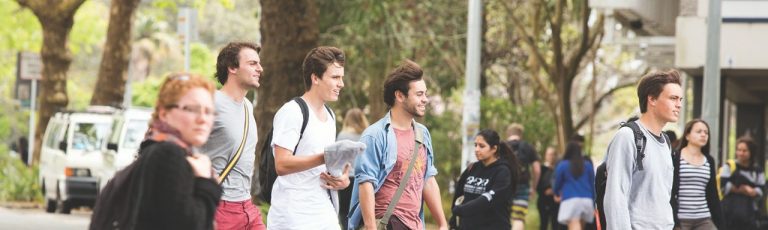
column 66, row 207
column 50, row 204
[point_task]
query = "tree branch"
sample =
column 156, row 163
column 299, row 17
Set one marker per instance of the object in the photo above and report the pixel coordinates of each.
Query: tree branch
column 587, row 42
column 528, row 40
column 599, row 103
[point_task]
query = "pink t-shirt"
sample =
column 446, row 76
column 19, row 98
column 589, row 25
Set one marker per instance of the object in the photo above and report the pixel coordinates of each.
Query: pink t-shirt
column 409, row 205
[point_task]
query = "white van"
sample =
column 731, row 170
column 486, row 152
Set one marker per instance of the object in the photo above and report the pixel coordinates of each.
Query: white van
column 129, row 127
column 72, row 158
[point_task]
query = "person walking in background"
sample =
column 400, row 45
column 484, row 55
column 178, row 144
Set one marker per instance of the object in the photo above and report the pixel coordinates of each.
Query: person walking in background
column 238, row 69
column 546, row 199
column 573, row 187
column 529, row 178
column 742, row 187
column 698, row 204
column 352, row 127
column 484, row 189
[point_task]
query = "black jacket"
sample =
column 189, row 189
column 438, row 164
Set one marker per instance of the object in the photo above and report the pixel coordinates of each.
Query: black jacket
column 476, row 211
column 173, row 197
column 713, row 199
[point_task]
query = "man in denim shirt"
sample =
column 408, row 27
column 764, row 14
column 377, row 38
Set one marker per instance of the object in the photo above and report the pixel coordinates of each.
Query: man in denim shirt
column 382, row 167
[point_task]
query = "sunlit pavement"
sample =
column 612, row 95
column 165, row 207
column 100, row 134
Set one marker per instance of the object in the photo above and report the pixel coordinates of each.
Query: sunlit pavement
column 39, row 219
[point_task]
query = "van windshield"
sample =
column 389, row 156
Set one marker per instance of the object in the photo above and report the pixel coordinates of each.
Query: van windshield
column 90, row 136
column 134, row 133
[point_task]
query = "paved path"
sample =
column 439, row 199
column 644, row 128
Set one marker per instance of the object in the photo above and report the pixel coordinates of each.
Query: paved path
column 39, row 219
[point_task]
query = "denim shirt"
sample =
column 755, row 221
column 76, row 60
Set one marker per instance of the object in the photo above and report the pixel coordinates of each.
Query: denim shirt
column 378, row 160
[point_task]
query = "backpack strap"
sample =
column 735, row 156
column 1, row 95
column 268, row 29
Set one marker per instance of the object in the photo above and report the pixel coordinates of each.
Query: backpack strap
column 305, row 115
column 236, row 157
column 640, row 142
column 304, row 121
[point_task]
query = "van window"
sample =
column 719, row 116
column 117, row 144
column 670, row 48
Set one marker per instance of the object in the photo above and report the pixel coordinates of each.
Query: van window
column 90, row 136
column 134, row 133
column 54, row 135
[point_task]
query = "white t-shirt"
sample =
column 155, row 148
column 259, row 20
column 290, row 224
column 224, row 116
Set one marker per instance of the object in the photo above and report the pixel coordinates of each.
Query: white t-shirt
column 298, row 200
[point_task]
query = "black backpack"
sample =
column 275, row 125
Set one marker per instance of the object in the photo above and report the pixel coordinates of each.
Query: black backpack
column 117, row 206
column 267, row 172
column 601, row 176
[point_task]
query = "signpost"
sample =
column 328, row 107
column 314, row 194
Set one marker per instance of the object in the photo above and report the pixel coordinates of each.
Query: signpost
column 30, row 68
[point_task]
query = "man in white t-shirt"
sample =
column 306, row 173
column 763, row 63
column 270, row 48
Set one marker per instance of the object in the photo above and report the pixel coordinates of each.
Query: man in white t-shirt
column 304, row 194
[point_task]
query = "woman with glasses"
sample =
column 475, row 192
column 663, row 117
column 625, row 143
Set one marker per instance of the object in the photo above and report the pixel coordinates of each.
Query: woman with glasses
column 178, row 189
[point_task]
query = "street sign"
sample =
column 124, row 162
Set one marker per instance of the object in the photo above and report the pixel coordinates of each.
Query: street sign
column 30, row 66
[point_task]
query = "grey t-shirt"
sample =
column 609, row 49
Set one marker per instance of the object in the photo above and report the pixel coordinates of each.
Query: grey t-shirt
column 636, row 199
column 226, row 136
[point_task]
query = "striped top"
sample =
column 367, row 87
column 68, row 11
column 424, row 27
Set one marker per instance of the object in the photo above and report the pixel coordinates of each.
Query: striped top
column 693, row 184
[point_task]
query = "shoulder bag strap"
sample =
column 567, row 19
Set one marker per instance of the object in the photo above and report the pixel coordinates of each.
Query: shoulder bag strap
column 236, row 157
column 391, row 207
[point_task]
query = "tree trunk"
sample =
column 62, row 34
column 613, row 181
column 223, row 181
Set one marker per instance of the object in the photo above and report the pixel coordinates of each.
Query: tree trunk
column 288, row 31
column 116, row 56
column 56, row 19
column 566, row 113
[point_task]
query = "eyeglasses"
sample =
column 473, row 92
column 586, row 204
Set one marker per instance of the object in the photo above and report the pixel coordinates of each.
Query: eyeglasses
column 194, row 109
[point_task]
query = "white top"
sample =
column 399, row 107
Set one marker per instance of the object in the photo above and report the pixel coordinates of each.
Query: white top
column 298, row 200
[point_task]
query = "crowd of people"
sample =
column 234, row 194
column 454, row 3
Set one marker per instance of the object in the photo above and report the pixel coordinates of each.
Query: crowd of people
column 201, row 148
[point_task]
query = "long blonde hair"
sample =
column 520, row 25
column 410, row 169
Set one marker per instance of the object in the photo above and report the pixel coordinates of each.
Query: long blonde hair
column 355, row 121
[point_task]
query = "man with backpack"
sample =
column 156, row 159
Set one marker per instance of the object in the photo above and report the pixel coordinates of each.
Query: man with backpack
column 531, row 170
column 638, row 186
column 232, row 143
column 395, row 175
column 304, row 195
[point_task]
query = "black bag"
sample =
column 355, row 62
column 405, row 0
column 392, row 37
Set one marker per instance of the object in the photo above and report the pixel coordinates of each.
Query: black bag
column 267, row 171
column 601, row 176
column 117, row 206
column 739, row 209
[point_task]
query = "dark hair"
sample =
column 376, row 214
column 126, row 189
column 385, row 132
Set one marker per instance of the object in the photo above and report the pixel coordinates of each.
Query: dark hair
column 317, row 62
column 688, row 129
column 752, row 147
column 652, row 84
column 504, row 152
column 229, row 57
column 573, row 154
column 399, row 80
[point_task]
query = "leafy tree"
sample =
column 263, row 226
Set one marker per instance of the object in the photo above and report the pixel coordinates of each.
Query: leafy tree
column 56, row 19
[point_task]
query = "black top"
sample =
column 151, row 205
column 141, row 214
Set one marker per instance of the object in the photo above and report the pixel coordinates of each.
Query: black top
column 545, row 182
column 173, row 197
column 481, row 208
column 526, row 155
column 713, row 199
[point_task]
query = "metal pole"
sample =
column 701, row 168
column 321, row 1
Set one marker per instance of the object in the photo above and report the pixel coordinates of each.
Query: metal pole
column 31, row 137
column 187, row 33
column 471, row 116
column 711, row 99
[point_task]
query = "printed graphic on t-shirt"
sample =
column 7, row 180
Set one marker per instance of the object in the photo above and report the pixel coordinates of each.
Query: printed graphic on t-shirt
column 475, row 185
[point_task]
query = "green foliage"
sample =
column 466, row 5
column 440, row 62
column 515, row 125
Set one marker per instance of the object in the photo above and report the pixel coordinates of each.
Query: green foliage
column 145, row 92
column 202, row 60
column 498, row 113
column 17, row 181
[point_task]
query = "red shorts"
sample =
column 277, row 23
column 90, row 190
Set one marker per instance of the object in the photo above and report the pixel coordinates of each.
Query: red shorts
column 238, row 215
